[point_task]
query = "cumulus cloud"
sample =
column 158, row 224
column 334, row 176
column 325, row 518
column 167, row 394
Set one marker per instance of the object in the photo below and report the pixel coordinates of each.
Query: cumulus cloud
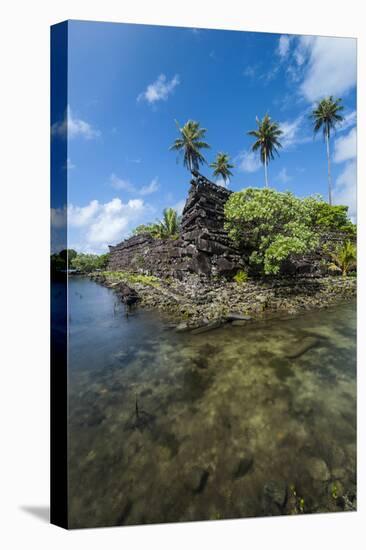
column 247, row 161
column 71, row 127
column 345, row 147
column 331, row 66
column 159, row 90
column 99, row 224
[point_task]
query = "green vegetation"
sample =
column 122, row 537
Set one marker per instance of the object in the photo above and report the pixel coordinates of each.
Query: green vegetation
column 59, row 261
column 327, row 217
column 267, row 141
column 87, row 263
column 274, row 226
column 241, row 277
column 325, row 117
column 221, row 166
column 344, row 258
column 167, row 228
column 190, row 143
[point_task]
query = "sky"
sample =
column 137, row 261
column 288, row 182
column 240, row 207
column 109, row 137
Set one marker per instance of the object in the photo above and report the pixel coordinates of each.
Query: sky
column 128, row 84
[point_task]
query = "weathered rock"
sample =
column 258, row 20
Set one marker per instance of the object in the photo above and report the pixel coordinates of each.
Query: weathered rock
column 182, row 327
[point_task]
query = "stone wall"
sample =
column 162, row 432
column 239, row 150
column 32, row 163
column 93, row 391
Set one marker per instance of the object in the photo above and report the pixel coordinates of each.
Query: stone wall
column 203, row 246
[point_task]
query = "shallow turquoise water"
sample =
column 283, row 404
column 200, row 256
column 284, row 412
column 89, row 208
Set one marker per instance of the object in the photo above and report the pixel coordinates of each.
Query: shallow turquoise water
column 177, row 427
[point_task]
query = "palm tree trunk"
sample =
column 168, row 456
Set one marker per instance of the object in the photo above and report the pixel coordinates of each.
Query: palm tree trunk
column 265, row 169
column 329, row 175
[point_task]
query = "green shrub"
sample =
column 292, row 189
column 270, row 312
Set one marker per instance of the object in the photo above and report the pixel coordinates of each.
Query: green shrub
column 241, row 277
column 273, row 226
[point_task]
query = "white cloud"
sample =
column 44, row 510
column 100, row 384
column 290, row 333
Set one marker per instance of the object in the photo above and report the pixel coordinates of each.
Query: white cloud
column 58, row 217
column 248, row 161
column 283, row 176
column 292, row 132
column 99, row 224
column 125, row 185
column 348, row 121
column 345, row 191
column 345, row 147
column 71, row 127
column 283, row 45
column 151, row 188
column 331, row 66
column 159, row 90
column 179, row 206
column 121, row 184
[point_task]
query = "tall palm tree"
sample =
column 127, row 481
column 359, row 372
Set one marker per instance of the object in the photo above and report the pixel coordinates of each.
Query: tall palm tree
column 221, row 166
column 190, row 143
column 267, row 140
column 326, row 116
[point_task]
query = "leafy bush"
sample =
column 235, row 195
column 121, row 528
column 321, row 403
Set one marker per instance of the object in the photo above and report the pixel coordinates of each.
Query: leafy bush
column 241, row 277
column 273, row 226
column 329, row 217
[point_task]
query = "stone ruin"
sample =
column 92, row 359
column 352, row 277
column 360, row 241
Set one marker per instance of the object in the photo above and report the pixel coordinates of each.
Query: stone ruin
column 203, row 246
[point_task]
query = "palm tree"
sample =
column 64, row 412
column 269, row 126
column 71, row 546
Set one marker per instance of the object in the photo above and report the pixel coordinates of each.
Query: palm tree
column 344, row 258
column 169, row 226
column 326, row 116
column 267, row 140
column 222, row 166
column 189, row 143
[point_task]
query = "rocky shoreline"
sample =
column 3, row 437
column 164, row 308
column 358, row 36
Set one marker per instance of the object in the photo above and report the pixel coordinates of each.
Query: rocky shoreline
column 197, row 302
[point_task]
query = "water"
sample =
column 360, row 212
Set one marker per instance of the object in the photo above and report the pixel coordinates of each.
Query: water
column 239, row 422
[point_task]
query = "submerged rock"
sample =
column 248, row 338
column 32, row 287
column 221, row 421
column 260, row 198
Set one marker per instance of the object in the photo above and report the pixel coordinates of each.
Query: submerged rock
column 317, row 469
column 245, row 464
column 207, row 327
column 197, row 479
column 274, row 497
column 232, row 316
column 301, row 348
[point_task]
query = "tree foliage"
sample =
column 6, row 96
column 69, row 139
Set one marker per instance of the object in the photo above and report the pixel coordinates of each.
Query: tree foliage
column 273, row 226
column 344, row 258
column 221, row 167
column 267, row 142
column 167, row 228
column 190, row 143
column 87, row 263
column 330, row 217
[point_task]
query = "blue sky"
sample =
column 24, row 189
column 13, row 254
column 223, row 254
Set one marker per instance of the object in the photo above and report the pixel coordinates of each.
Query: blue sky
column 128, row 83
